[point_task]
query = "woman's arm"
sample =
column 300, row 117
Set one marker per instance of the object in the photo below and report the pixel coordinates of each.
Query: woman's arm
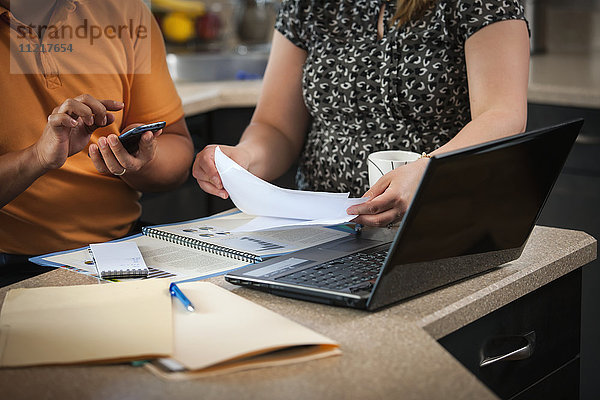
column 276, row 133
column 497, row 59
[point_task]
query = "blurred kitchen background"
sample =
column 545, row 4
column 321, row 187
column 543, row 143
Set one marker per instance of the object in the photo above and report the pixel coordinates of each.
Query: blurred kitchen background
column 218, row 51
column 209, row 26
column 216, row 25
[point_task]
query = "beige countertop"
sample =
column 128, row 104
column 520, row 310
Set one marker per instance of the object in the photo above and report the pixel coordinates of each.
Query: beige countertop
column 568, row 79
column 392, row 353
column 200, row 97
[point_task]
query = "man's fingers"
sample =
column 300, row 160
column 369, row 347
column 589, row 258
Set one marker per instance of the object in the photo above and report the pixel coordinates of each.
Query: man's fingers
column 98, row 109
column 77, row 109
column 112, row 105
column 120, row 153
column 92, row 112
column 110, row 118
column 157, row 133
column 62, row 120
column 97, row 160
column 111, row 162
column 146, row 146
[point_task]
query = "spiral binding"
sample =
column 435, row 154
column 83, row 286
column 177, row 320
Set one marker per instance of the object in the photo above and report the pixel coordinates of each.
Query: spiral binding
column 201, row 245
column 125, row 273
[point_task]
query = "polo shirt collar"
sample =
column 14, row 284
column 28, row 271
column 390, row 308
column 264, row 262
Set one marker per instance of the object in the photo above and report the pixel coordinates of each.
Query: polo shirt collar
column 62, row 5
column 3, row 11
column 70, row 5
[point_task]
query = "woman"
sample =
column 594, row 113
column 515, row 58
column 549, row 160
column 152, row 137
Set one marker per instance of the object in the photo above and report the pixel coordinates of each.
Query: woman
column 428, row 76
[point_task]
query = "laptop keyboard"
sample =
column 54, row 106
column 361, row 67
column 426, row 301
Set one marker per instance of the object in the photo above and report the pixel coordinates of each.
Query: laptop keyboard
column 356, row 272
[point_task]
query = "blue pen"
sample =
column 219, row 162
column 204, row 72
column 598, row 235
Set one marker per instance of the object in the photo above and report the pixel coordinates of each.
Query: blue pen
column 175, row 291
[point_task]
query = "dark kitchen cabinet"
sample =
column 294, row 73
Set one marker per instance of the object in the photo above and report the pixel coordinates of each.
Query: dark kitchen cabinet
column 542, row 332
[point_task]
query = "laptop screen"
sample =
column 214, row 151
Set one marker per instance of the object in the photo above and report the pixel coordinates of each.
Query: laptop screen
column 479, row 205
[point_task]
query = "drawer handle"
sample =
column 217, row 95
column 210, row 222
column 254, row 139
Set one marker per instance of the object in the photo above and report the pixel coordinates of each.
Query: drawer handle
column 521, row 353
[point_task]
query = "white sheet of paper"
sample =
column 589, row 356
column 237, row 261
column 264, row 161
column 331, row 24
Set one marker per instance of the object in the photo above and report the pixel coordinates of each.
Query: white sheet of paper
column 255, row 196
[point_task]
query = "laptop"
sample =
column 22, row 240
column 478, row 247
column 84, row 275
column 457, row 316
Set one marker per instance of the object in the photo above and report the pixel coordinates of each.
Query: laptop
column 473, row 210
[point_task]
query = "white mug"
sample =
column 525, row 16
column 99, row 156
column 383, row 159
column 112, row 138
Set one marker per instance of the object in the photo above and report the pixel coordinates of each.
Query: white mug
column 382, row 162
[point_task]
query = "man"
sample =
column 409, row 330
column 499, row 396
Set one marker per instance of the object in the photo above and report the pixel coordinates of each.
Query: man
column 75, row 74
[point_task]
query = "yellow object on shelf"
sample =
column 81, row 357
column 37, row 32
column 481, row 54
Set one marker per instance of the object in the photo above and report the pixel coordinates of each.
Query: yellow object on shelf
column 178, row 27
column 194, row 7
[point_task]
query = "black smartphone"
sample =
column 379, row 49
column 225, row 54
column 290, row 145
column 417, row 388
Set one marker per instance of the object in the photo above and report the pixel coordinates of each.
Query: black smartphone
column 131, row 139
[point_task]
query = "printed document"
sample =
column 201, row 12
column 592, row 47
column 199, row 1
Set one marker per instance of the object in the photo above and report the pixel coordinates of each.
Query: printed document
column 259, row 198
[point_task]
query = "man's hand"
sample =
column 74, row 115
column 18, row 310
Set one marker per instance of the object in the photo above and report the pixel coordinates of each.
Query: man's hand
column 70, row 126
column 110, row 157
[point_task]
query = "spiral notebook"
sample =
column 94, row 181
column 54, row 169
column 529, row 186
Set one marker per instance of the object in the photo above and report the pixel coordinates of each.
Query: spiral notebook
column 115, row 260
column 201, row 243
column 217, row 236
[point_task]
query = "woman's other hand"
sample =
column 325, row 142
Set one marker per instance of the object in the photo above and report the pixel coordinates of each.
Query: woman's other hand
column 390, row 196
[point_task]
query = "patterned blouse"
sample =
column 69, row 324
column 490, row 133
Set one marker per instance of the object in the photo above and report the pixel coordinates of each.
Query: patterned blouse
column 407, row 90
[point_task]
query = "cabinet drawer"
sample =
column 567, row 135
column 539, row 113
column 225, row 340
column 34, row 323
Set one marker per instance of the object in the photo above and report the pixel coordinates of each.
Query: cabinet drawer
column 550, row 316
column 560, row 385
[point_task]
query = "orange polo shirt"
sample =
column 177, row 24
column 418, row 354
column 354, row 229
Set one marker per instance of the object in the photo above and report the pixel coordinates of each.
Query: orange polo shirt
column 75, row 205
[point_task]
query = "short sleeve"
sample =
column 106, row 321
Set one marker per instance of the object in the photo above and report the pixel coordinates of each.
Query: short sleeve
column 152, row 93
column 291, row 21
column 476, row 14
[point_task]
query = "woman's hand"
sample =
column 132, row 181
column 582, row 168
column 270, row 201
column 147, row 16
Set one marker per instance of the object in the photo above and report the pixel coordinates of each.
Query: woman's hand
column 205, row 170
column 70, row 127
column 110, row 157
column 390, row 196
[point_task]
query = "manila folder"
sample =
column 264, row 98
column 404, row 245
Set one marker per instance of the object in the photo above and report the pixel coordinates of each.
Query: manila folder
column 87, row 323
column 228, row 333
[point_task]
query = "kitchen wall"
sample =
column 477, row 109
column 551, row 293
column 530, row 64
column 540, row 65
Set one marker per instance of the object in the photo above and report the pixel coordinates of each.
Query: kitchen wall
column 573, row 26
